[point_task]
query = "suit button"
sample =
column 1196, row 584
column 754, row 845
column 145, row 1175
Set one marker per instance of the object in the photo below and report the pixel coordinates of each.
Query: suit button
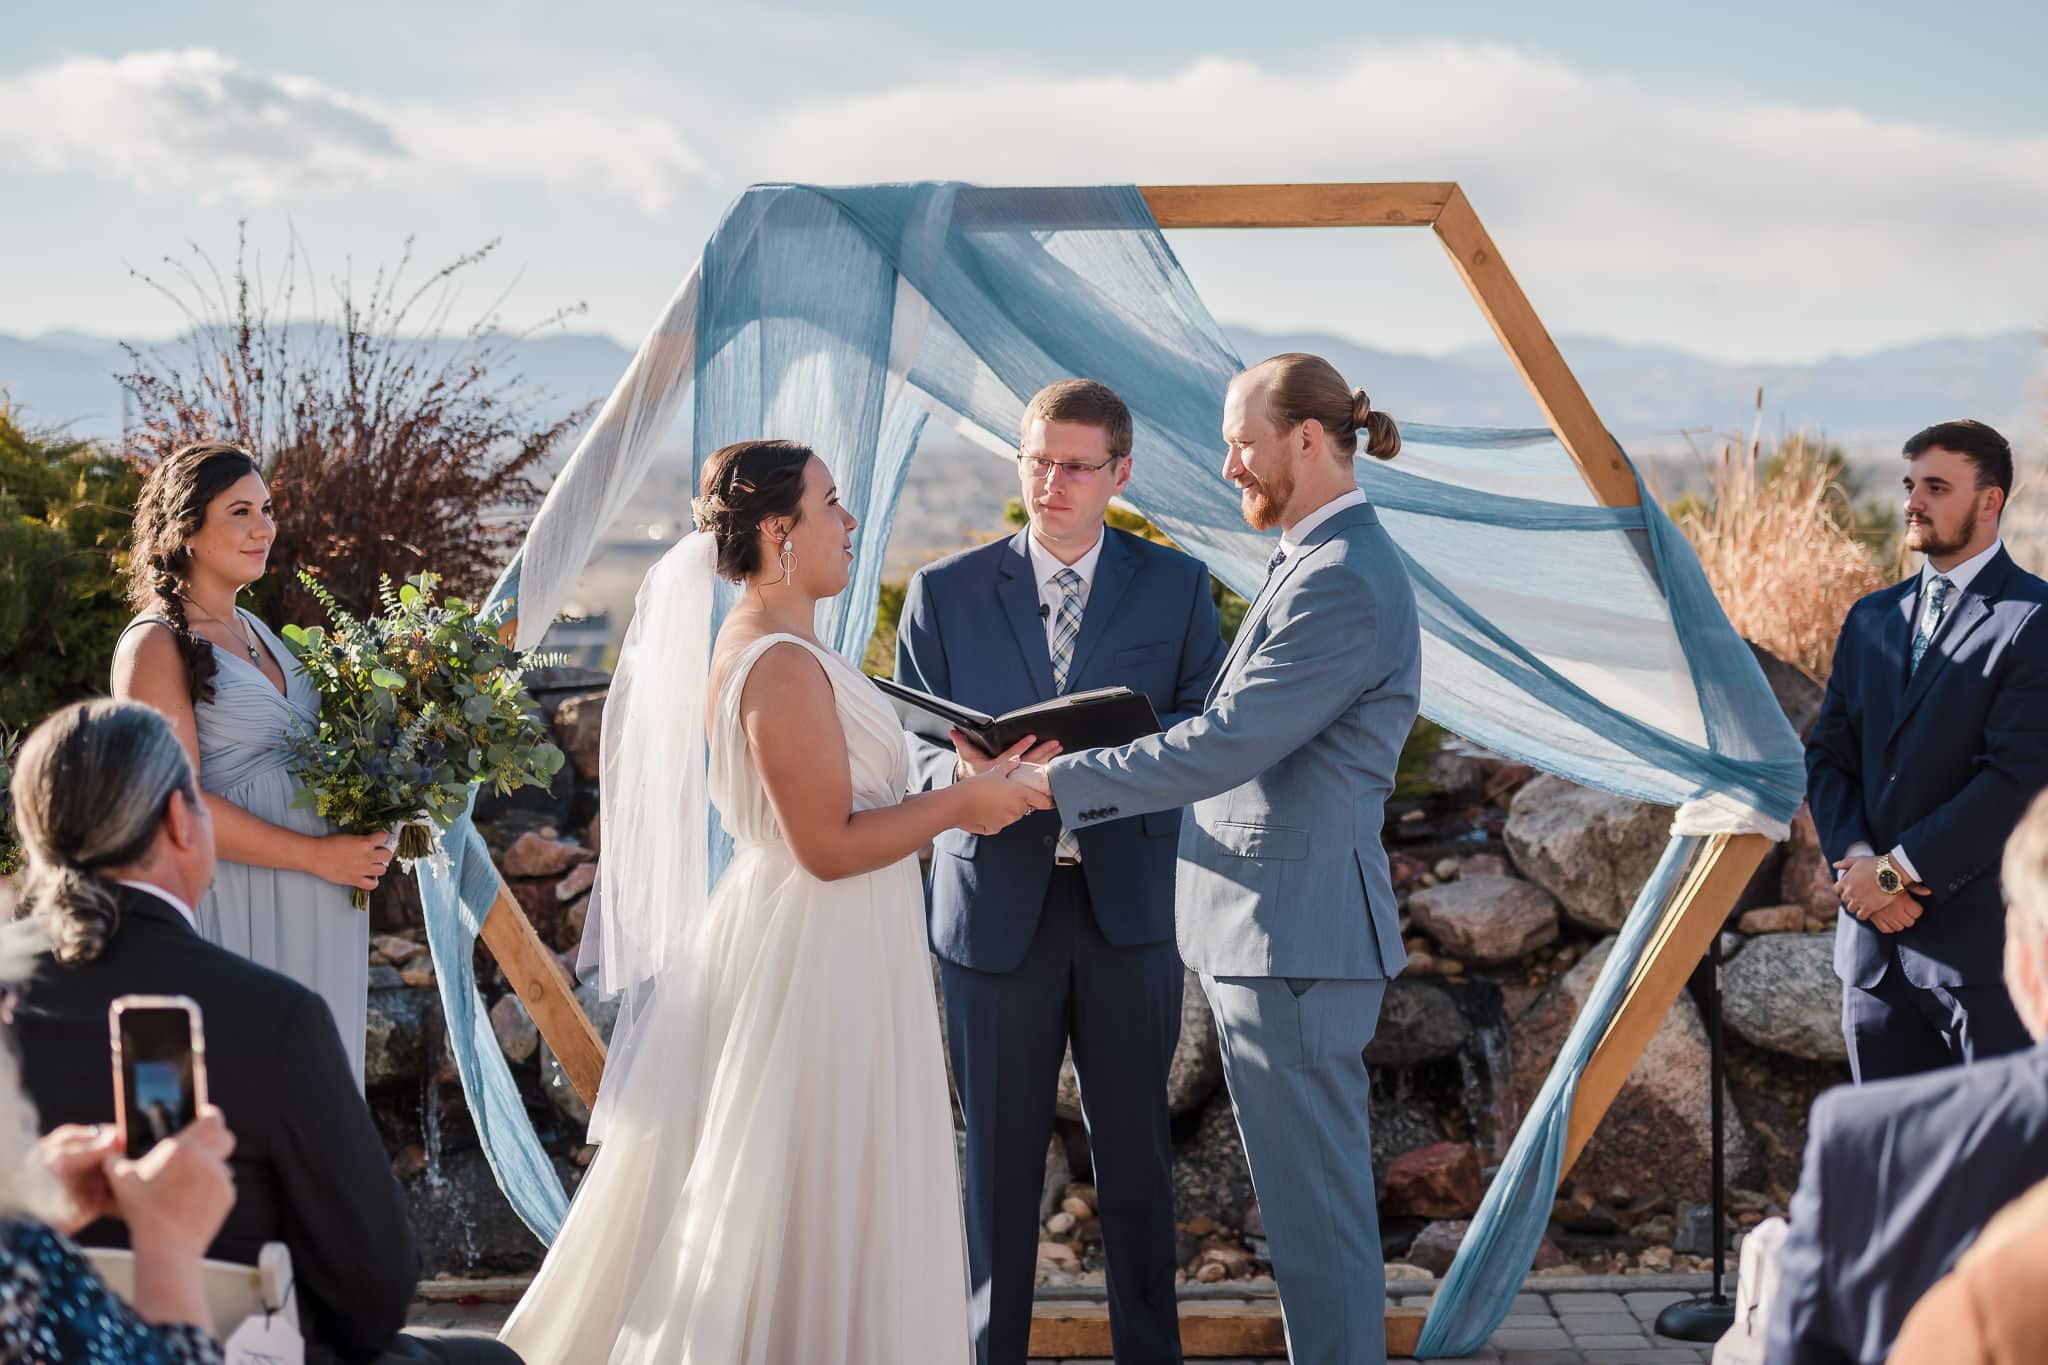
column 1892, row 778
column 1049, row 840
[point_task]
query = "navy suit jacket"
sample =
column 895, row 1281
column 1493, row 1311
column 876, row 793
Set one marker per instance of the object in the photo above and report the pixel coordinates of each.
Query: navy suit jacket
column 971, row 632
column 1900, row 1177
column 1943, row 762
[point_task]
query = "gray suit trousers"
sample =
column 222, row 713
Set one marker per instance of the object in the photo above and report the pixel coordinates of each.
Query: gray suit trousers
column 1291, row 1055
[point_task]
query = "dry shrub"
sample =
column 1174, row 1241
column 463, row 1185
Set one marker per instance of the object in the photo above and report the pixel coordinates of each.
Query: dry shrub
column 389, row 451
column 1777, row 539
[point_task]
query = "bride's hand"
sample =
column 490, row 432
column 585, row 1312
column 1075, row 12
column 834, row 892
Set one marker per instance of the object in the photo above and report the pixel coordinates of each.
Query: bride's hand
column 996, row 798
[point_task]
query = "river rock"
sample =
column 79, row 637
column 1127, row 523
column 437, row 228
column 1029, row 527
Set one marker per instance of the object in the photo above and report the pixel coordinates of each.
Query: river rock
column 1197, row 1068
column 1210, row 1176
column 1419, row 1022
column 1400, row 1124
column 1782, row 994
column 1441, row 1180
column 1436, row 1246
column 1772, row 919
column 1654, row 1135
column 532, row 855
column 465, row 1226
column 579, row 723
column 604, row 1014
column 577, row 883
column 399, row 1027
column 1805, row 878
column 518, row 1037
column 1486, row 920
column 1591, row 850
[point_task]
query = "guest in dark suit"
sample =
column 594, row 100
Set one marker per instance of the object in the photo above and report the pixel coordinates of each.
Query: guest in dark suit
column 1932, row 737
column 1046, row 936
column 1900, row 1175
column 120, row 850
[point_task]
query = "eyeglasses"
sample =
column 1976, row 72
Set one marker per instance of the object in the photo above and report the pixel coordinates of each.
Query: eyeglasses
column 1038, row 467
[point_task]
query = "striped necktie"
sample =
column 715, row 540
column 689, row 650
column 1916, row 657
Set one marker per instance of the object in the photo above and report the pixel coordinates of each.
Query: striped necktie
column 1932, row 608
column 1066, row 626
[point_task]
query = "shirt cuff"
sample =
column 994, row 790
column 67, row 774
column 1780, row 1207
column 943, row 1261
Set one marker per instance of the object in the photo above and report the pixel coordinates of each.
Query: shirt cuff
column 1860, row 849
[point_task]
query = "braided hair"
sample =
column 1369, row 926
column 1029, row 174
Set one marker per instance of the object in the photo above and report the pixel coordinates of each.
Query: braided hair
column 169, row 513
column 743, row 485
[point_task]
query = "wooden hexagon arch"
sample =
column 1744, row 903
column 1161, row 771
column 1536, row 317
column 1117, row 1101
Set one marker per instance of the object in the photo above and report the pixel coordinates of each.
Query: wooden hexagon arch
column 1717, row 876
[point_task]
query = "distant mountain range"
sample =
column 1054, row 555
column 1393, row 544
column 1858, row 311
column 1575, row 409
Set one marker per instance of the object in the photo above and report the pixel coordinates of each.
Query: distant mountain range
column 1650, row 396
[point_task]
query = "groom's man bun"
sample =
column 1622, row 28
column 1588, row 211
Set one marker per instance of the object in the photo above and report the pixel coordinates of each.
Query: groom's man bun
column 743, row 485
column 1300, row 386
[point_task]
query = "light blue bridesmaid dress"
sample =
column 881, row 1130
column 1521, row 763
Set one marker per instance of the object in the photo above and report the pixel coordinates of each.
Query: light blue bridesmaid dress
column 290, row 921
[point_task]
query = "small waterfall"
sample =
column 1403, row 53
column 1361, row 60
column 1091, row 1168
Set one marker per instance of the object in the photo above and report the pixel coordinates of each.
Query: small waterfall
column 448, row 1199
column 1486, row 1065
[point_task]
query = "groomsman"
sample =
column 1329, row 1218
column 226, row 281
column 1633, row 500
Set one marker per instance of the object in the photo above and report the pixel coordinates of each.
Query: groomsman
column 1048, row 937
column 1932, row 738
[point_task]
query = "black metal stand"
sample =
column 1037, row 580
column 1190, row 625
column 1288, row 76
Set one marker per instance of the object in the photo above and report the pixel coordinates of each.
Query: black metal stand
column 1709, row 1318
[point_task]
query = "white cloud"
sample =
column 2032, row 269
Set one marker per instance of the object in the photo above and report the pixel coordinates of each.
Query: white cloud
column 1591, row 184
column 198, row 122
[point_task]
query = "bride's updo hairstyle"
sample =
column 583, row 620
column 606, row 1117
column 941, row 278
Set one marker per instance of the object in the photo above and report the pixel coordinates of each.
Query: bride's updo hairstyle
column 744, row 484
column 1301, row 386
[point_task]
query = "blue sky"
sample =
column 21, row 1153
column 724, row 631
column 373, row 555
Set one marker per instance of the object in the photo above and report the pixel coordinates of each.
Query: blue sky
column 1748, row 181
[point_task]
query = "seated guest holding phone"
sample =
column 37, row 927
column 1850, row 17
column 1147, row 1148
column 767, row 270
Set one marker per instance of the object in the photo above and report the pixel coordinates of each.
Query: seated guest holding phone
column 53, row 1306
column 1901, row 1175
column 120, row 848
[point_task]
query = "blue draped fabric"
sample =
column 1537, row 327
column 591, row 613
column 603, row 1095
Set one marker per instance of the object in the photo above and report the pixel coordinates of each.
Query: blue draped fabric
column 1582, row 639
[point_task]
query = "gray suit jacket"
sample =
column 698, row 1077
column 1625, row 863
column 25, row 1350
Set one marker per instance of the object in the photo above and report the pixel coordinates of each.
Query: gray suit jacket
column 1286, row 771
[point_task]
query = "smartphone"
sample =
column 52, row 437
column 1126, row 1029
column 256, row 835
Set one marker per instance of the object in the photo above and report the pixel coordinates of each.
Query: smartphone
column 159, row 1067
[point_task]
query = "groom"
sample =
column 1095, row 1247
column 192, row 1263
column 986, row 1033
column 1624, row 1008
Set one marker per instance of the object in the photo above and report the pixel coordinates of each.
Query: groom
column 1284, row 904
column 1045, row 936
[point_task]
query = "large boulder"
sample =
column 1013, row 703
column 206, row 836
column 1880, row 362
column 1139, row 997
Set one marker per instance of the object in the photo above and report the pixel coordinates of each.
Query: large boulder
column 1441, row 1180
column 1197, row 1069
column 1485, row 920
column 1591, row 850
column 1781, row 993
column 1419, row 1022
column 604, row 1015
column 1656, row 1133
column 1798, row 696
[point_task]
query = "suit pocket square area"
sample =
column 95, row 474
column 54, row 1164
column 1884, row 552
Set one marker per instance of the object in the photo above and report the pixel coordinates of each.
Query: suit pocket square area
column 1282, row 842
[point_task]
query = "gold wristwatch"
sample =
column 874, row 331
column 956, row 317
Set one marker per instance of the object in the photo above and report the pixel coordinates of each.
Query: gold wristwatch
column 1889, row 880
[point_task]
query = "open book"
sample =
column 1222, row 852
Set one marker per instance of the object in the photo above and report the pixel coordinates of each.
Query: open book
column 1100, row 719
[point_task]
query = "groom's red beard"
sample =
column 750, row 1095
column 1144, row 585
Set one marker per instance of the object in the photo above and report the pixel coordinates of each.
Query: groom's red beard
column 1921, row 535
column 1266, row 500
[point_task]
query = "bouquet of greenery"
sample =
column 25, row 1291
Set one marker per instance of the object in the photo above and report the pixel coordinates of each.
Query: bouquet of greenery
column 417, row 704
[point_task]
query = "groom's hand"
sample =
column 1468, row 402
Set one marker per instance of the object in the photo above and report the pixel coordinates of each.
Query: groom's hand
column 974, row 761
column 1034, row 776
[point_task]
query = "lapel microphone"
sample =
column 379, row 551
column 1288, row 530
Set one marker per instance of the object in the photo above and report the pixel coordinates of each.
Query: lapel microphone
column 1044, row 612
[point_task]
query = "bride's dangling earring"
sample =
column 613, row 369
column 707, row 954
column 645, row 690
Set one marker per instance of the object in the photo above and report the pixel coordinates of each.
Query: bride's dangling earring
column 788, row 561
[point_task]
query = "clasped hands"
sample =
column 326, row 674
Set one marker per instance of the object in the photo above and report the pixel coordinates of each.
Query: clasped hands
column 1011, row 784
column 1856, row 887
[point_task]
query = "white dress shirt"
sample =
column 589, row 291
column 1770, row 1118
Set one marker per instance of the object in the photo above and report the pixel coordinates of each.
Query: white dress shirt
column 1045, row 566
column 153, row 889
column 1290, row 541
column 1959, row 578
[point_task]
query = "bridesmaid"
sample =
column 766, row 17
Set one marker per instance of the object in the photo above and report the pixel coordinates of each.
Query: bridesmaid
column 235, row 693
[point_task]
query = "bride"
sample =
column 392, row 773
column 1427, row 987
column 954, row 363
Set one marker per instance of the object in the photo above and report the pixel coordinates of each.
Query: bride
column 777, row 1177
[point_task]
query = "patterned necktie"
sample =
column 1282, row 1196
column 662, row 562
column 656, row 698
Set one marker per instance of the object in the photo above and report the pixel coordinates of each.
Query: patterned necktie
column 1931, row 612
column 1278, row 558
column 1065, row 627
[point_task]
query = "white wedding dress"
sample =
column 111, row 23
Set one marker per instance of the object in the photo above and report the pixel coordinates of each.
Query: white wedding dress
column 794, row 1200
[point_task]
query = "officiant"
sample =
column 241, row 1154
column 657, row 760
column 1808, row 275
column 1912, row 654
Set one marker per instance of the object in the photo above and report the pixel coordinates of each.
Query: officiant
column 1048, row 937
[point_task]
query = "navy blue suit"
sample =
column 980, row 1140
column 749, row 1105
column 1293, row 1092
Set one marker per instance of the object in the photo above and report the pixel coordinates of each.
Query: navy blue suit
column 1035, row 956
column 1941, row 760
column 1900, row 1177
